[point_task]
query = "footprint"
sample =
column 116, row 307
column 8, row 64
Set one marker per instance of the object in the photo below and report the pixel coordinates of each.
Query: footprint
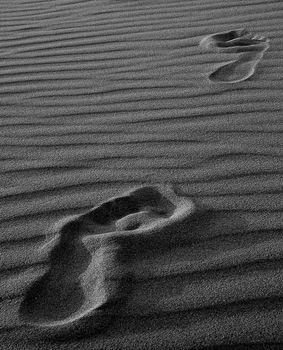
column 76, row 287
column 239, row 70
column 89, row 275
column 251, row 47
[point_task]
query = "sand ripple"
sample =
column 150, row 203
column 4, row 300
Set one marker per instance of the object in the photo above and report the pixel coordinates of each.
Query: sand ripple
column 99, row 98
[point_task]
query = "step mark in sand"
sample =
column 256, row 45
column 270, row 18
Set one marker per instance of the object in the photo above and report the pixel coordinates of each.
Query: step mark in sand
column 89, row 275
column 251, row 48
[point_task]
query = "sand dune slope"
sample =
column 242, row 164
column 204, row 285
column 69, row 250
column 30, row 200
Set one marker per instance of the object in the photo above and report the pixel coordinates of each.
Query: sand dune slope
column 98, row 98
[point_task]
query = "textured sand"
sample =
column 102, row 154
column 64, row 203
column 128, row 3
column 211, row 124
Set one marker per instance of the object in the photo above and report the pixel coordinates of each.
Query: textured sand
column 100, row 97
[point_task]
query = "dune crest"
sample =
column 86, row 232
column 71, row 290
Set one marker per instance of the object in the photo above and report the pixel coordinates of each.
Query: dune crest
column 89, row 259
column 252, row 48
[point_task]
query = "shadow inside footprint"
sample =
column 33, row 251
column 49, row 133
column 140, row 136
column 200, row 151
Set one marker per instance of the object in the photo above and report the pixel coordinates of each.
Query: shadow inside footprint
column 234, row 41
column 58, row 293
column 113, row 210
column 251, row 46
column 239, row 70
column 88, row 258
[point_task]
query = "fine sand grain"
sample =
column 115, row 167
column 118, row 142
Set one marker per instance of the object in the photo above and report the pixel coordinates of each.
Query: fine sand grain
column 141, row 174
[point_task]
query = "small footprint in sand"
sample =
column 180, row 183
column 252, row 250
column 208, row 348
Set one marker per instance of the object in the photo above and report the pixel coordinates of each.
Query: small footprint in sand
column 89, row 259
column 251, row 48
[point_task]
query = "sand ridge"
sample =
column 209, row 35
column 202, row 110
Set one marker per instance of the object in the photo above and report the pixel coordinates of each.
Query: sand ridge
column 101, row 97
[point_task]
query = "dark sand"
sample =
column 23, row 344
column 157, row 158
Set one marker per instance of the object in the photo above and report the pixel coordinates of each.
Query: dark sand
column 102, row 97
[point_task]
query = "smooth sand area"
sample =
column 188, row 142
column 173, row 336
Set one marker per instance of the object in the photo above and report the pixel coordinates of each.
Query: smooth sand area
column 141, row 174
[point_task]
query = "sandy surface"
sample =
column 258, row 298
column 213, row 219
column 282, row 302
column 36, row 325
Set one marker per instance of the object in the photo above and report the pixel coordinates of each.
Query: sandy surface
column 100, row 97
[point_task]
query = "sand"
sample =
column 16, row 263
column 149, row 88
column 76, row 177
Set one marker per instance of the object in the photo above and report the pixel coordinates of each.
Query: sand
column 100, row 99
column 251, row 46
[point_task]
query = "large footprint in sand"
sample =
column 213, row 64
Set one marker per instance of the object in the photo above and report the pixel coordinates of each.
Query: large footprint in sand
column 90, row 254
column 252, row 48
